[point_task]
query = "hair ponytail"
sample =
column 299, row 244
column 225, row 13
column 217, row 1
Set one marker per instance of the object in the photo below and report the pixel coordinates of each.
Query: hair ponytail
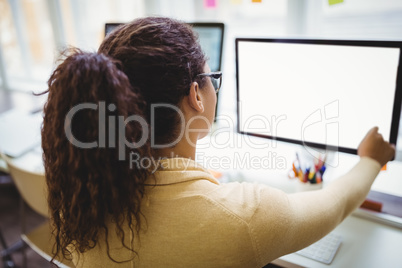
column 89, row 184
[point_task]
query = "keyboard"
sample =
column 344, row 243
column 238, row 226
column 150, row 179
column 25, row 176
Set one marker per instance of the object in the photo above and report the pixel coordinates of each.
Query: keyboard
column 323, row 250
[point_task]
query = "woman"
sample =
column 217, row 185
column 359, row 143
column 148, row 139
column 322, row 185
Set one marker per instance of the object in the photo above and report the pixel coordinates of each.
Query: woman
column 148, row 95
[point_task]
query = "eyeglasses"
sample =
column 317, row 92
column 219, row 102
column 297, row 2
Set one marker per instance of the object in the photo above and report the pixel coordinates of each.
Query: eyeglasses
column 216, row 79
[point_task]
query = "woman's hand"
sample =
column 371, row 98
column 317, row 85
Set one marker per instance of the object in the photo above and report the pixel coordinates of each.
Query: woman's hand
column 374, row 146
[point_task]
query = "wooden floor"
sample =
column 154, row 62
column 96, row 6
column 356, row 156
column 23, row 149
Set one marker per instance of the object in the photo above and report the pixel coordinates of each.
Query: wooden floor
column 11, row 228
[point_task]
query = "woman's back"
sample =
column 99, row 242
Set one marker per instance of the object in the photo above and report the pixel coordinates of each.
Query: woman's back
column 188, row 223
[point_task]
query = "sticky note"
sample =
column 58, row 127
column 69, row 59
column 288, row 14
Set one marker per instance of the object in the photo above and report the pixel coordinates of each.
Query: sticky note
column 333, row 2
column 256, row 1
column 210, row 3
column 235, row 2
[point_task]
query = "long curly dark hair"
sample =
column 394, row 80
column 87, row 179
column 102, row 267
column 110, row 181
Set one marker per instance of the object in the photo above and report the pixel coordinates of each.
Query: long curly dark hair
column 148, row 61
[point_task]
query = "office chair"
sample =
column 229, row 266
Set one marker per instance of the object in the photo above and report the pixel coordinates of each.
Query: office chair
column 32, row 188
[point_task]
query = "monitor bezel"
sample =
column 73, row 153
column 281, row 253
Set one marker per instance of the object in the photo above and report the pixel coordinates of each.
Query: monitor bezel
column 396, row 112
column 112, row 24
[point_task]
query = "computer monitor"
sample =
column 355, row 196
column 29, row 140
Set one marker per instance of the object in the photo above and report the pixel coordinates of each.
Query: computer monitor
column 320, row 93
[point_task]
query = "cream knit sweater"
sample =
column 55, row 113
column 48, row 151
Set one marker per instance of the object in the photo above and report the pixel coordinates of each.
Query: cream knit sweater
column 193, row 221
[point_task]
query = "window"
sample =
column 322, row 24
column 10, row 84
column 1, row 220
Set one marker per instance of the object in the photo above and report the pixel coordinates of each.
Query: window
column 84, row 21
column 33, row 32
column 26, row 39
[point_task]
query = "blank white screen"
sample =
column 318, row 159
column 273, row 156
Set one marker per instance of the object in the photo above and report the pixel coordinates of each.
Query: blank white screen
column 325, row 94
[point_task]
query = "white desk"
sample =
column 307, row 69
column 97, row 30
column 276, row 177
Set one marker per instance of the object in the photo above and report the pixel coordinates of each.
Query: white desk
column 364, row 244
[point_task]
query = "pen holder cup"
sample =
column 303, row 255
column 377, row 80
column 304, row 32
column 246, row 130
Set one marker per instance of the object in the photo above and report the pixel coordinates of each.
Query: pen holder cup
column 308, row 170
